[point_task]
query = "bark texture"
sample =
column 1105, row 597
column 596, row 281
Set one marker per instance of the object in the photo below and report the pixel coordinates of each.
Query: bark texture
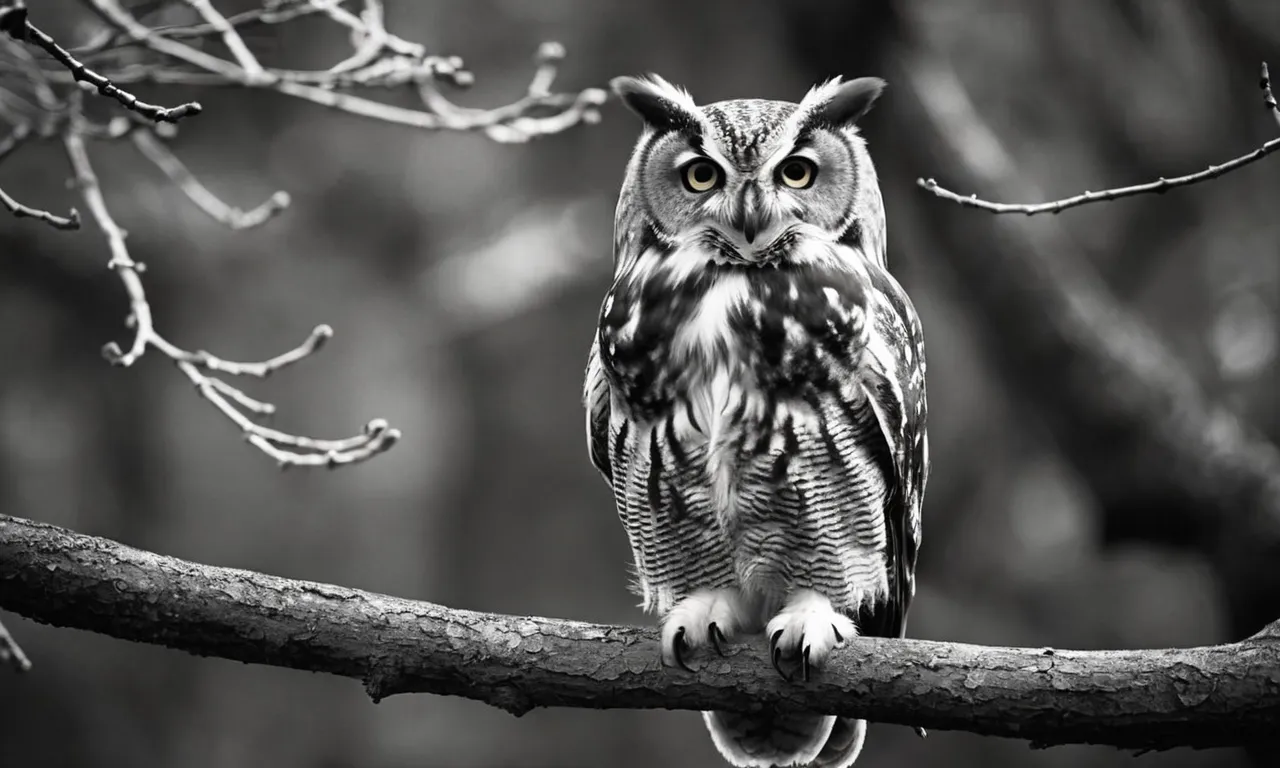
column 1149, row 699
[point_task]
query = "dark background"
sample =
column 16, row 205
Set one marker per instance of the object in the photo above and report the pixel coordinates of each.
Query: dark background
column 463, row 279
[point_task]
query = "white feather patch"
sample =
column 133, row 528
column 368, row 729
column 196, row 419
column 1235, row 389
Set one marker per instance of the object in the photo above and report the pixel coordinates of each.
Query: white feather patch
column 706, row 335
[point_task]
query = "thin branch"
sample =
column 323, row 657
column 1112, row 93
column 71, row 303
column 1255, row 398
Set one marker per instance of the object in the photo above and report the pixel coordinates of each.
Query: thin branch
column 154, row 150
column 110, row 40
column 380, row 59
column 11, row 653
column 1268, row 98
column 512, row 123
column 1126, row 413
column 506, row 124
column 1151, row 699
column 10, row 144
column 1159, row 187
column 286, row 449
column 334, row 10
column 374, row 39
column 121, row 262
column 16, row 138
column 15, row 23
column 70, row 221
column 202, row 359
column 230, row 37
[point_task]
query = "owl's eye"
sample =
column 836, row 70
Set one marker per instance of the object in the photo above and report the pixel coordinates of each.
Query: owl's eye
column 700, row 176
column 798, row 172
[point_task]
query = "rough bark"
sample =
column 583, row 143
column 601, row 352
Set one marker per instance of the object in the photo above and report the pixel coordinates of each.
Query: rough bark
column 1150, row 699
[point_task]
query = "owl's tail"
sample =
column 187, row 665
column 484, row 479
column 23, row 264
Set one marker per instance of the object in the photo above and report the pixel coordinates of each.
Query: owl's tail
column 764, row 740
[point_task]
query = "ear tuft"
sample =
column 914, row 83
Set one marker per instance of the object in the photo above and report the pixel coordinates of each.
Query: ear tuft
column 657, row 102
column 848, row 102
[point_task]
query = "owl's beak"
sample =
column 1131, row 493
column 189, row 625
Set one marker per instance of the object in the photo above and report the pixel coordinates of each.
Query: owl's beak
column 750, row 215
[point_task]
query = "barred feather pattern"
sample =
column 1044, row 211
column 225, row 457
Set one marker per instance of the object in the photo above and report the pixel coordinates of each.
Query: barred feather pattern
column 727, row 410
column 759, row 408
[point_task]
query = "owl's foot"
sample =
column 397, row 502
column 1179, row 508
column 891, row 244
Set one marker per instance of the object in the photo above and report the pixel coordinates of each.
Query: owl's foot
column 708, row 616
column 805, row 631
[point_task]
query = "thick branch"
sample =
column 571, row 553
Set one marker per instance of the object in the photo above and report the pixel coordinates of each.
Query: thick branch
column 1213, row 696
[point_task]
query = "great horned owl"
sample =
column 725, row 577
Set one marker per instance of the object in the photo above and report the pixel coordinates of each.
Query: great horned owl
column 755, row 392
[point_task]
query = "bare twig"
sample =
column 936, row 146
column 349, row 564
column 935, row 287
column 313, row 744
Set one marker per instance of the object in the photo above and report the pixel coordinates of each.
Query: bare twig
column 1159, row 186
column 112, row 40
column 370, row 42
column 1268, row 98
column 519, row 121
column 15, row 139
column 154, row 150
column 121, row 262
column 1144, row 699
column 1125, row 411
column 11, row 653
column 10, row 144
column 380, row 60
column 15, row 23
column 286, row 449
column 230, row 37
column 70, row 221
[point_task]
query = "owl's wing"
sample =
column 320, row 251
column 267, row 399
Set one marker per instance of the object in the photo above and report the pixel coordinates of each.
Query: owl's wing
column 893, row 377
column 595, row 396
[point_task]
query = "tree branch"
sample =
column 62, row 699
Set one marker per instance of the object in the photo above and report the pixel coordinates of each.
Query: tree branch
column 11, row 653
column 1126, row 412
column 8, row 145
column 150, row 146
column 286, row 449
column 380, row 60
column 1268, row 98
column 70, row 221
column 1154, row 699
column 13, row 20
column 1159, row 186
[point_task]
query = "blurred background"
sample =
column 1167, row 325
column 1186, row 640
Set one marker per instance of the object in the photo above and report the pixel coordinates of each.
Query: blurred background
column 463, row 278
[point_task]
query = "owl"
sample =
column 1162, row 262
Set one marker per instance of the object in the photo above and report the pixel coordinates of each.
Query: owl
column 755, row 393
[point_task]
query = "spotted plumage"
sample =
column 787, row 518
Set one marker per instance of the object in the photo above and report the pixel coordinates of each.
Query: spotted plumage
column 755, row 393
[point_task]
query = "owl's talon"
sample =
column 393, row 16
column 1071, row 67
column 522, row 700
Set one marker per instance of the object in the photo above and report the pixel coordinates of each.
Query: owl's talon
column 707, row 617
column 676, row 645
column 777, row 664
column 777, row 655
column 717, row 638
column 806, row 630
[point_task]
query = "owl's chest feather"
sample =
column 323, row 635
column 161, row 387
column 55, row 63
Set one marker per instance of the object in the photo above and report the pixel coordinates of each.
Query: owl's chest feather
column 729, row 341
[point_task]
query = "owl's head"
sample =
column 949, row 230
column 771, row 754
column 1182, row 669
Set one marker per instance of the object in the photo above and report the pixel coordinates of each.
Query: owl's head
column 753, row 181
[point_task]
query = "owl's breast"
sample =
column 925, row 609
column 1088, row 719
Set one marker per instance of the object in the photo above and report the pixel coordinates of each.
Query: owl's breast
column 805, row 330
column 643, row 328
column 730, row 341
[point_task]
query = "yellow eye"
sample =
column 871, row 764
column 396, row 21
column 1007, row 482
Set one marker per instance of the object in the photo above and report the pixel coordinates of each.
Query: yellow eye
column 797, row 172
column 701, row 176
